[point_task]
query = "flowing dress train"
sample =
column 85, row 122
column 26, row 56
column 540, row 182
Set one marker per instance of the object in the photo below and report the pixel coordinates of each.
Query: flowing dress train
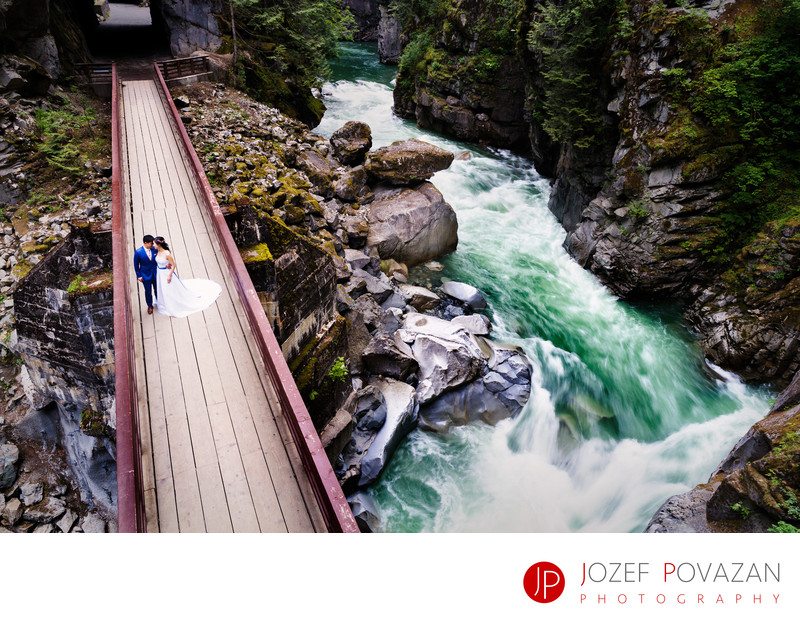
column 179, row 298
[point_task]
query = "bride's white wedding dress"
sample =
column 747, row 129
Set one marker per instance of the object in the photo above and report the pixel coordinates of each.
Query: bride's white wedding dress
column 179, row 298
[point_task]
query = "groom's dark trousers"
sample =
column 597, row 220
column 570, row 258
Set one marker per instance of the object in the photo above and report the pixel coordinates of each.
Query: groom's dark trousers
column 145, row 268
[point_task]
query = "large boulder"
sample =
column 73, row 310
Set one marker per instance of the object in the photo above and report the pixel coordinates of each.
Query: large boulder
column 383, row 357
column 448, row 355
column 401, row 417
column 23, row 76
column 318, row 170
column 464, row 293
column 411, row 225
column 407, row 161
column 351, row 142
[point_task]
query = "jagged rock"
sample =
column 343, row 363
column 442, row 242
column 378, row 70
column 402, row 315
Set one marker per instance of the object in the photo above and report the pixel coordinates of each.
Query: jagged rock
column 192, row 26
column 383, row 357
column 364, row 511
column 344, row 302
column 370, row 411
column 43, row 529
column 356, row 258
column 9, row 455
column 31, row 493
column 351, row 142
column 390, row 45
column 788, row 398
column 337, row 433
column 448, row 355
column 411, row 225
column 419, row 297
column 351, row 185
column 318, row 170
column 465, row 293
column 93, row 523
column 23, row 76
column 401, row 417
column 13, row 511
column 357, row 229
column 379, row 287
column 47, row 511
column 66, row 523
column 407, row 161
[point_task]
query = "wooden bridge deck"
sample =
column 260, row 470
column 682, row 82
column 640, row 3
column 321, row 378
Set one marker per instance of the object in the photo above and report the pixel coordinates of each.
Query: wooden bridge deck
column 217, row 454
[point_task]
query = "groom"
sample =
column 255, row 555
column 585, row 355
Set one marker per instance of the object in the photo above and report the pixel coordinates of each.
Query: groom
column 144, row 264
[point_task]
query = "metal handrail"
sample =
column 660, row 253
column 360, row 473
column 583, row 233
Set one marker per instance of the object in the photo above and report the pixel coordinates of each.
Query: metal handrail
column 335, row 509
column 183, row 67
column 130, row 488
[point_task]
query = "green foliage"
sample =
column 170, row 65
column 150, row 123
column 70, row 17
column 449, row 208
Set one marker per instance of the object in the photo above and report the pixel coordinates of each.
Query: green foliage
column 61, row 133
column 76, row 284
column 294, row 37
column 741, row 509
column 783, row 527
column 638, row 209
column 338, row 371
column 571, row 36
column 748, row 95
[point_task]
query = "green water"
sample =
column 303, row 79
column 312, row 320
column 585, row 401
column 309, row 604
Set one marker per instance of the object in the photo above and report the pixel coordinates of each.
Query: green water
column 624, row 411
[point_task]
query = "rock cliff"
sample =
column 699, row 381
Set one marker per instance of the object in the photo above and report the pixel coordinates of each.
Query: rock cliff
column 459, row 74
column 654, row 180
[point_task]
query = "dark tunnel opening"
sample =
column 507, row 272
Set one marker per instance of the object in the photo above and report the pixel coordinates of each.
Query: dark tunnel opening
column 132, row 36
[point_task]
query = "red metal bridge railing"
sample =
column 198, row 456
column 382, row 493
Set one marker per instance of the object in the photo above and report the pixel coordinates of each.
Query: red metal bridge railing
column 130, row 489
column 335, row 509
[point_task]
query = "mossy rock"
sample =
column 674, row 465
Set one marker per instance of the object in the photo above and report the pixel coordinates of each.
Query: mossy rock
column 92, row 423
column 20, row 270
column 90, row 282
column 256, row 253
column 34, row 248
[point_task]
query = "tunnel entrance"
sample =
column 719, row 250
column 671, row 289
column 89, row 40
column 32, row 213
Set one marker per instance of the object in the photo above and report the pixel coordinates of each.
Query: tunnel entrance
column 131, row 38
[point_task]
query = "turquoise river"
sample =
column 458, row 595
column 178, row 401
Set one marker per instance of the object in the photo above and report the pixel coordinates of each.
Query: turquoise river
column 624, row 411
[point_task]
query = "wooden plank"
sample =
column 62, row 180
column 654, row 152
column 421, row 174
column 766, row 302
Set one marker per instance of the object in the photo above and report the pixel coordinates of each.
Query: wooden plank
column 209, row 404
column 215, row 502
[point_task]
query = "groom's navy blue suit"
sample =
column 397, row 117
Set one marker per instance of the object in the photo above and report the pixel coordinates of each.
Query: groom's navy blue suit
column 145, row 269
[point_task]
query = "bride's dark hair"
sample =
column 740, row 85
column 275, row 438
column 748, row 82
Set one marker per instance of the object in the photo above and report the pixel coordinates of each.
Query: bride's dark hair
column 160, row 242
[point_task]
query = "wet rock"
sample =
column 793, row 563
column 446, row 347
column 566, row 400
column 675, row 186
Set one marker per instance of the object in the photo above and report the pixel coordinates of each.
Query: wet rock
column 447, row 354
column 370, row 413
column 407, row 161
column 786, row 399
column 420, row 298
column 465, row 293
column 383, row 357
column 411, row 225
column 364, row 511
column 401, row 417
column 351, row 142
column 477, row 324
column 9, row 456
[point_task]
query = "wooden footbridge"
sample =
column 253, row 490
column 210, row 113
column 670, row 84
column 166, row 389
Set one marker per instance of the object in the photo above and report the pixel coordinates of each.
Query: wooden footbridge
column 212, row 435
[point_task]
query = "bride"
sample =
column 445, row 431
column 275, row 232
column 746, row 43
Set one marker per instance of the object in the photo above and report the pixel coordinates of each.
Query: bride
column 175, row 297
